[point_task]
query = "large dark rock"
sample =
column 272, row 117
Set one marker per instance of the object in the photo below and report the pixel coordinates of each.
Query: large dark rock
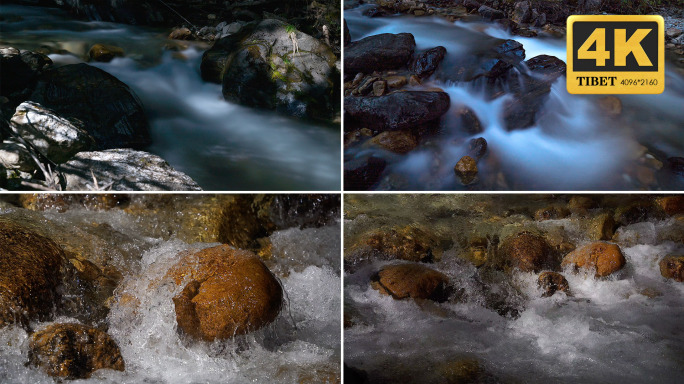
column 490, row 13
column 109, row 110
column 427, row 62
column 378, row 52
column 397, row 111
column 492, row 59
column 362, row 172
column 521, row 111
column 347, row 34
column 259, row 67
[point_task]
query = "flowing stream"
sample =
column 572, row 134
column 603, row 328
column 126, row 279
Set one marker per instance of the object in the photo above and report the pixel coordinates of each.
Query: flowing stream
column 624, row 328
column 302, row 344
column 222, row 146
column 575, row 146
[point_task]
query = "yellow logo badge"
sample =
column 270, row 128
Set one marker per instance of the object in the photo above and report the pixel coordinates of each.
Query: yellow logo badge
column 616, row 54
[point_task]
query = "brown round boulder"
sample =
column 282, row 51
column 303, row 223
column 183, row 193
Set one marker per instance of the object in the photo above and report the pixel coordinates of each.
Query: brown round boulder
column 672, row 267
column 527, row 252
column 411, row 280
column 229, row 292
column 605, row 257
column 671, row 205
column 74, row 351
column 29, row 274
column 552, row 282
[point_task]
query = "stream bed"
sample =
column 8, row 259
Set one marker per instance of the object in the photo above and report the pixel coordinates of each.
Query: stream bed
column 221, row 145
column 494, row 325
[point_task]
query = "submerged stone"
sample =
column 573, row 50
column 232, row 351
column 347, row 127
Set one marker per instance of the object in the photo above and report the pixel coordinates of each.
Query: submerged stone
column 74, row 351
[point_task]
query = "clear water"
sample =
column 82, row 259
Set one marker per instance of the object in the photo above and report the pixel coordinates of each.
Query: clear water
column 222, row 146
column 574, row 147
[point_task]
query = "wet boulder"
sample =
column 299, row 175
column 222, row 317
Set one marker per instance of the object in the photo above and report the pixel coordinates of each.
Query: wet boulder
column 671, row 205
column 415, row 281
column 260, row 66
column 396, row 111
column 378, row 53
column 672, row 267
column 226, row 292
column 29, row 274
column 477, row 148
column 493, row 59
column 124, row 170
column 606, row 258
column 552, row 282
column 469, row 121
column 109, row 110
column 395, row 141
column 529, row 98
column 74, row 351
column 490, row 13
column 601, row 227
column 19, row 72
column 360, row 173
column 347, row 34
column 55, row 137
column 528, row 252
column 104, row 53
column 466, row 170
column 427, row 62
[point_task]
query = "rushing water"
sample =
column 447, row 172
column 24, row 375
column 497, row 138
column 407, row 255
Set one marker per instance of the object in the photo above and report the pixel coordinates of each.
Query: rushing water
column 303, row 342
column 574, row 147
column 222, row 146
column 626, row 328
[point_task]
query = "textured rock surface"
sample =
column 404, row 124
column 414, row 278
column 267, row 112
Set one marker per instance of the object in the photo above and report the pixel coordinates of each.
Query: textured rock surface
column 29, row 274
column 378, row 52
column 605, row 257
column 259, row 67
column 55, row 137
column 411, row 280
column 552, row 282
column 527, row 252
column 124, row 170
column 397, row 111
column 74, row 351
column 109, row 110
column 672, row 267
column 228, row 292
